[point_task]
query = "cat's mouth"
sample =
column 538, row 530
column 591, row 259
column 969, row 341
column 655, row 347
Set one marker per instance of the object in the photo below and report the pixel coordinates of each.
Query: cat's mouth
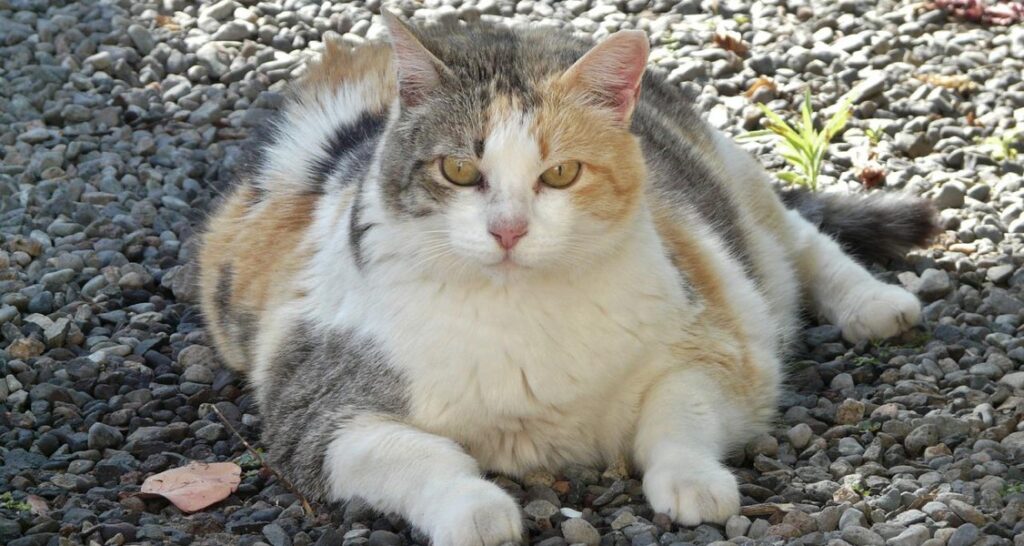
column 508, row 263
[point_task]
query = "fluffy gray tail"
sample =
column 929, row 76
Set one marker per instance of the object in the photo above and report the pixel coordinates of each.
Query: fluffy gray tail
column 872, row 227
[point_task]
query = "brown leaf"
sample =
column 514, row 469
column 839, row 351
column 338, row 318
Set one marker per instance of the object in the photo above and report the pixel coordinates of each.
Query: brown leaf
column 771, row 509
column 761, row 82
column 168, row 22
column 871, row 175
column 196, row 485
column 957, row 82
column 731, row 41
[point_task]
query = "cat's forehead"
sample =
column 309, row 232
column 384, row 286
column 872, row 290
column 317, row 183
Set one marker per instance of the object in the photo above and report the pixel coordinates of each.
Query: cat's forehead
column 511, row 142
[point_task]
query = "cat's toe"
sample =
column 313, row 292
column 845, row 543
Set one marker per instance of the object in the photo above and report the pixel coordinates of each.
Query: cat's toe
column 880, row 312
column 693, row 494
column 478, row 514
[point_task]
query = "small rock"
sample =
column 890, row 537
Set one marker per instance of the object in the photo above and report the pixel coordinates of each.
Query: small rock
column 1000, row 274
column 852, row 518
column 914, row 145
column 920, row 438
column 540, row 509
column 211, row 433
column 950, row 196
column 736, row 526
column 913, row 536
column 103, row 436
column 965, row 535
column 25, row 348
column 934, row 284
column 276, row 535
column 580, row 531
column 235, row 31
column 142, row 38
column 859, row 536
column 800, row 435
column 850, row 412
column 967, row 512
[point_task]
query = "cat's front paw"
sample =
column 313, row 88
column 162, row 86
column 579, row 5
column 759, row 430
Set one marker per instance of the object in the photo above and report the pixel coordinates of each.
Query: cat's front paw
column 692, row 492
column 879, row 311
column 477, row 513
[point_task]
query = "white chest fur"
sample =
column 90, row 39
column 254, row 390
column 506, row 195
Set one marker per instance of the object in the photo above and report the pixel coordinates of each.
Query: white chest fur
column 534, row 374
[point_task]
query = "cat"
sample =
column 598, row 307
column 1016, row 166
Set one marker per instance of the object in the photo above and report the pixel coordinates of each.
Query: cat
column 493, row 249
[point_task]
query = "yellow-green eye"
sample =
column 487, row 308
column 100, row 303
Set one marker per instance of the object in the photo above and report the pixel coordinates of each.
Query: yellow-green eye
column 562, row 175
column 461, row 172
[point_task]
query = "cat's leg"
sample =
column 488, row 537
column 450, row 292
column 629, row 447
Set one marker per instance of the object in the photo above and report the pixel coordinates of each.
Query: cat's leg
column 844, row 292
column 428, row 479
column 685, row 426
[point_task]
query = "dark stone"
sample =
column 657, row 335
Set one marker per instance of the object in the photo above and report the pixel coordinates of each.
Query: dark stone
column 103, row 436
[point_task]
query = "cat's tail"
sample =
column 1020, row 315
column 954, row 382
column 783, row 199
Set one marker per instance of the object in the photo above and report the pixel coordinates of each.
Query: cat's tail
column 872, row 227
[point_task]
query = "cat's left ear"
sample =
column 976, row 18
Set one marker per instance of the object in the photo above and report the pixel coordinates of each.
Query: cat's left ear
column 419, row 71
column 612, row 70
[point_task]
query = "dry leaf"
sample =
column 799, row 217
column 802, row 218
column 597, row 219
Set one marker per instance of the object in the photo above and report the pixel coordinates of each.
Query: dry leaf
column 168, row 22
column 774, row 511
column 731, row 41
column 957, row 82
column 871, row 175
column 196, row 485
column 761, row 82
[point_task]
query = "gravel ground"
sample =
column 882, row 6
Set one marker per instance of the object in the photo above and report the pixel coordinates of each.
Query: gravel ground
column 119, row 122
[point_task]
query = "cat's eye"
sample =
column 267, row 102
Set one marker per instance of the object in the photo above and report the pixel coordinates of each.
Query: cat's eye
column 562, row 175
column 461, row 172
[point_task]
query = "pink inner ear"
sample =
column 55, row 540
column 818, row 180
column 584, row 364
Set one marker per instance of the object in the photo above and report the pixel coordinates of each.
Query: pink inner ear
column 417, row 67
column 613, row 70
column 629, row 89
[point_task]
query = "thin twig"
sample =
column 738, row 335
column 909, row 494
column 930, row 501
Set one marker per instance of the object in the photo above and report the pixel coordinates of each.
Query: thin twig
column 305, row 503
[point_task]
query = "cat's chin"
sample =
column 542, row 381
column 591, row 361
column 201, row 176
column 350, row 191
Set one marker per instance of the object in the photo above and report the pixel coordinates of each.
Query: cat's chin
column 508, row 269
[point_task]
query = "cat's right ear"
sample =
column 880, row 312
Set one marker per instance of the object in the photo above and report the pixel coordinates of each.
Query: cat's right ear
column 419, row 71
column 612, row 71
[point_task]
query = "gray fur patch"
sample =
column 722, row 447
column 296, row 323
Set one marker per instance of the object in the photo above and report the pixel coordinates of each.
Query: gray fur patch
column 239, row 325
column 679, row 170
column 875, row 227
column 357, row 229
column 316, row 384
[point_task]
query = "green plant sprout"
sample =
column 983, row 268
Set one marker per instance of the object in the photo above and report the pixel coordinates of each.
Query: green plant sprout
column 800, row 144
column 874, row 134
column 7, row 502
column 1002, row 147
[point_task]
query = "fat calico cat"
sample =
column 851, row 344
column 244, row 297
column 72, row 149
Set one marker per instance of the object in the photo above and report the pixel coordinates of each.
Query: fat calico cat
column 486, row 249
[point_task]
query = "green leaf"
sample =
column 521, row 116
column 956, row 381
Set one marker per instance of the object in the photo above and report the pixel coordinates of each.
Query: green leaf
column 754, row 135
column 792, row 178
column 807, row 113
column 838, row 121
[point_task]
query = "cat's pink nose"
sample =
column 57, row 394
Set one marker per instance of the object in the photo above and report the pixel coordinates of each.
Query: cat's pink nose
column 508, row 233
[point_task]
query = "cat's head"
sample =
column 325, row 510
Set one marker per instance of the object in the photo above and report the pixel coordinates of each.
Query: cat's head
column 511, row 152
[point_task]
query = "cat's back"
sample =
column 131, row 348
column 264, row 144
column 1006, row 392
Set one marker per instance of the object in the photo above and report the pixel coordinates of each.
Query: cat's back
column 255, row 243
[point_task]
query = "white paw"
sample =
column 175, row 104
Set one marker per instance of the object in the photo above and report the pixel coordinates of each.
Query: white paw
column 477, row 513
column 879, row 311
column 692, row 491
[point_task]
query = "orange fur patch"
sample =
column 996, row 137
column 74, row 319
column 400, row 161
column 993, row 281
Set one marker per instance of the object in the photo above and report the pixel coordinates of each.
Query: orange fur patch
column 614, row 171
column 722, row 347
column 263, row 248
column 369, row 64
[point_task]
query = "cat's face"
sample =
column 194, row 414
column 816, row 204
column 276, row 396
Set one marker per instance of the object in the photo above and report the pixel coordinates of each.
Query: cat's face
column 514, row 170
